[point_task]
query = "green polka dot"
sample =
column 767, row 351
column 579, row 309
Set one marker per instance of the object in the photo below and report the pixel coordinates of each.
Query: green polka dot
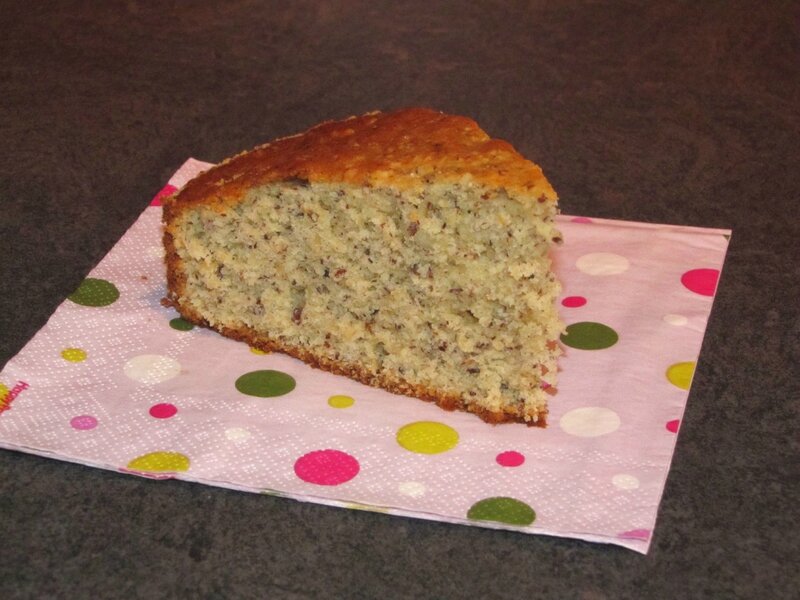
column 589, row 336
column 265, row 384
column 340, row 401
column 95, row 292
column 181, row 324
column 502, row 509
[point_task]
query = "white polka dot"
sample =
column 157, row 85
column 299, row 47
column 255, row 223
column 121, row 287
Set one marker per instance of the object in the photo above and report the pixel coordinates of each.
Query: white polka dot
column 590, row 421
column 237, row 434
column 625, row 482
column 415, row 489
column 677, row 320
column 602, row 263
column 152, row 368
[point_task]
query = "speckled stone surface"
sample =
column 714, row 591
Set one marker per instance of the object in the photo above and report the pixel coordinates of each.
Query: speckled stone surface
column 680, row 113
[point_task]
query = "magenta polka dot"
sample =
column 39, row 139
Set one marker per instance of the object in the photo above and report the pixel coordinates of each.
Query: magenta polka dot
column 510, row 458
column 581, row 220
column 701, row 281
column 573, row 301
column 326, row 467
column 635, row 534
column 673, row 425
column 163, row 411
column 165, row 191
column 83, row 422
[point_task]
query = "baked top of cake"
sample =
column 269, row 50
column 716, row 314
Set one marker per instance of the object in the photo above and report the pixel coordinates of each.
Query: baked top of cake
column 403, row 149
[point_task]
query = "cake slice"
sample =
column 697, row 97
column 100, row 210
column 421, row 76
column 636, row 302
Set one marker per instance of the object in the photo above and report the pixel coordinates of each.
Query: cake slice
column 406, row 250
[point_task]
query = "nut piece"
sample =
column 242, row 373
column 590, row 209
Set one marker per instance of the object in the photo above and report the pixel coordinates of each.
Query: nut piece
column 297, row 315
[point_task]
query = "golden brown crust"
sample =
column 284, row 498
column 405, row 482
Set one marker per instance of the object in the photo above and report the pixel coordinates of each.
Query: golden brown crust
column 403, row 149
column 176, row 279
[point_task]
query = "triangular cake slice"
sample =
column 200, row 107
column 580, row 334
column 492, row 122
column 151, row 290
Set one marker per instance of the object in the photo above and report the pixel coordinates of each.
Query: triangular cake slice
column 406, row 250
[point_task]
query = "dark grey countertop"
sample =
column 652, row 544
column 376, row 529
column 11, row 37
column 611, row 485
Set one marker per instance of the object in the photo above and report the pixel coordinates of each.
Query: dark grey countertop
column 685, row 113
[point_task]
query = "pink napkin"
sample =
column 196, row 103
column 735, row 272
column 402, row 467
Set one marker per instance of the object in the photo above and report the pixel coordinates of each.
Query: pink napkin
column 117, row 381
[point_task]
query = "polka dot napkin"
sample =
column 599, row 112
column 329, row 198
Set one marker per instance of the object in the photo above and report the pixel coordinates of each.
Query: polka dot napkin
column 115, row 380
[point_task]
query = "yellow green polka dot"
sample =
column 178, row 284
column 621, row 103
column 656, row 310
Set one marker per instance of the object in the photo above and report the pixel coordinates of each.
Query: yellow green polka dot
column 159, row 462
column 680, row 374
column 3, row 393
column 340, row 401
column 365, row 507
column 427, row 437
column 73, row 354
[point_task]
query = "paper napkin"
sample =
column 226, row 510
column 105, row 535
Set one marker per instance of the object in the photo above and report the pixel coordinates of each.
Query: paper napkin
column 115, row 380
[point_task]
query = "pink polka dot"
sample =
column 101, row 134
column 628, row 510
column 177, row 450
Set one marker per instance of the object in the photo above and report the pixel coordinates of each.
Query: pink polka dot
column 573, row 301
column 326, row 467
column 701, row 281
column 165, row 191
column 163, row 411
column 635, row 534
column 673, row 425
column 581, row 220
column 83, row 422
column 510, row 458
